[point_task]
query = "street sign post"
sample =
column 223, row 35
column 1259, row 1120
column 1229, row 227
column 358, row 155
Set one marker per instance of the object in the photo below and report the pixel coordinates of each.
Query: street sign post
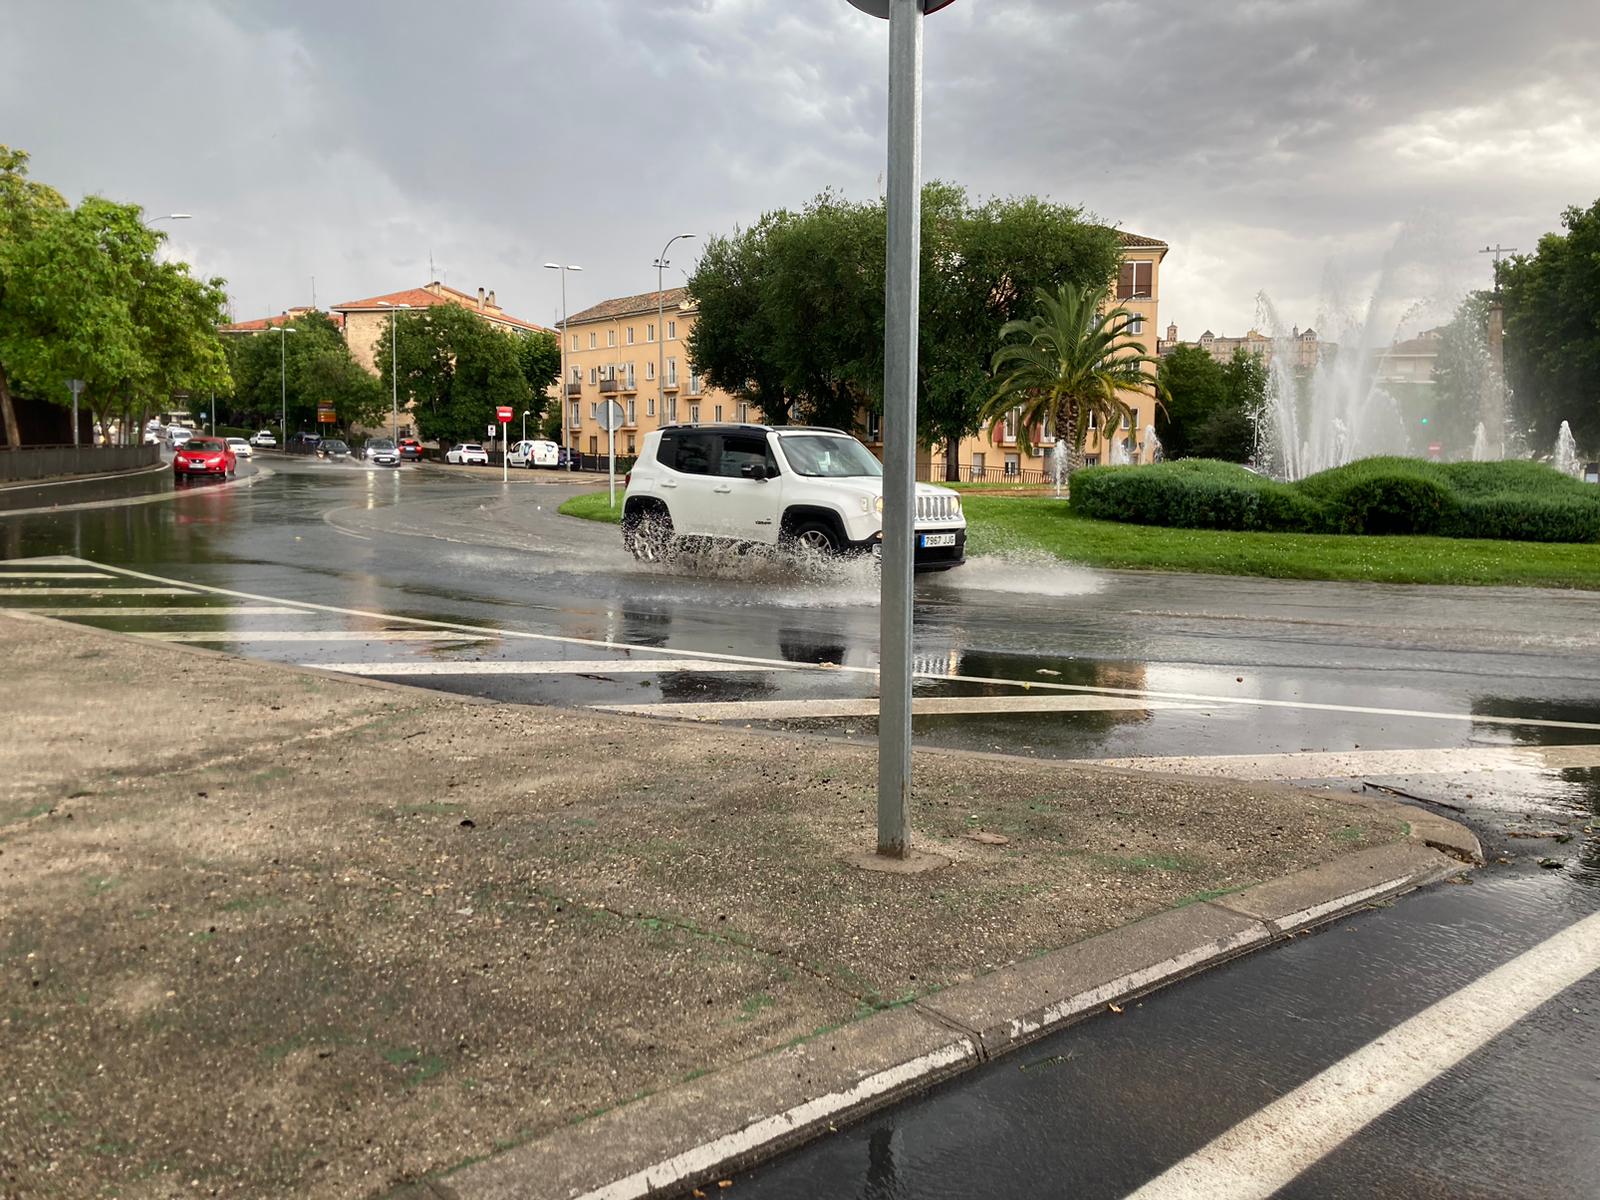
column 503, row 415
column 611, row 416
column 75, row 386
column 901, row 303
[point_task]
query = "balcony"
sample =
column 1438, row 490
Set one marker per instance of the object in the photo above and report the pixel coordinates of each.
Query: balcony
column 670, row 386
column 630, row 386
column 574, row 389
column 610, row 387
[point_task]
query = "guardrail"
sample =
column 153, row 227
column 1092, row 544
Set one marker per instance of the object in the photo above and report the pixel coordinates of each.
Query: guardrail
column 44, row 462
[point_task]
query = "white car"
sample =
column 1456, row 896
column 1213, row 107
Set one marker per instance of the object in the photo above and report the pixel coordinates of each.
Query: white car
column 264, row 439
column 240, row 447
column 534, row 453
column 795, row 486
column 467, row 453
column 177, row 435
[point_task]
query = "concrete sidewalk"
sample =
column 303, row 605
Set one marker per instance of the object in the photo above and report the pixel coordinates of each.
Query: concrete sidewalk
column 267, row 931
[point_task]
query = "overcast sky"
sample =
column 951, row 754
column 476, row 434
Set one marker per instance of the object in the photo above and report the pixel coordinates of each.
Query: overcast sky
column 1287, row 148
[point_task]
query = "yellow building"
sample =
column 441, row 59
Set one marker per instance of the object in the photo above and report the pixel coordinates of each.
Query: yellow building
column 635, row 350
column 366, row 320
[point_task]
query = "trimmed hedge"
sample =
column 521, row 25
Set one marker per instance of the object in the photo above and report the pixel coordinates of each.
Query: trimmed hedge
column 1518, row 501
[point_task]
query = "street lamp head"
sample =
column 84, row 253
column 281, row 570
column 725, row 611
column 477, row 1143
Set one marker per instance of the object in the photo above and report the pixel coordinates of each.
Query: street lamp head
column 559, row 267
column 177, row 216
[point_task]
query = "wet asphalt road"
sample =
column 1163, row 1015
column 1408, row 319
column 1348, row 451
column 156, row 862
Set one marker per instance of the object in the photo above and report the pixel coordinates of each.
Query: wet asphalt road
column 1201, row 666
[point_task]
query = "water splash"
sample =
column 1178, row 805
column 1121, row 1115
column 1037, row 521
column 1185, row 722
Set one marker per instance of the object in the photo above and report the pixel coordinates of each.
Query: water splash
column 1566, row 454
column 1152, row 445
column 1481, row 450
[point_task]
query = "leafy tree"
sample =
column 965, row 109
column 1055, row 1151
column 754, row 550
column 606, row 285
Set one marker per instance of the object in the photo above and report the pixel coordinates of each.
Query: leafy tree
column 1066, row 364
column 1552, row 330
column 1228, row 433
column 273, row 373
column 1461, row 376
column 25, row 205
column 457, row 368
column 329, row 375
column 539, row 356
column 1196, row 388
column 791, row 311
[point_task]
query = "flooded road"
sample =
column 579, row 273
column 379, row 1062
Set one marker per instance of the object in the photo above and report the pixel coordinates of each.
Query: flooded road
column 1483, row 704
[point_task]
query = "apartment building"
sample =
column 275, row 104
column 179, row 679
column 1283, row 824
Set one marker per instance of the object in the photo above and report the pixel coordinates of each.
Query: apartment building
column 635, row 350
column 366, row 320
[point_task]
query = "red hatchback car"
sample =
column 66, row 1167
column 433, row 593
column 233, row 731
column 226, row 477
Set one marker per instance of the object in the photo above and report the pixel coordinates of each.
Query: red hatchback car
column 410, row 449
column 204, row 456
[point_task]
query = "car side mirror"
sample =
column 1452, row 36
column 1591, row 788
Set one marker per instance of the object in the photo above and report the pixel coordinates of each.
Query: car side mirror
column 755, row 471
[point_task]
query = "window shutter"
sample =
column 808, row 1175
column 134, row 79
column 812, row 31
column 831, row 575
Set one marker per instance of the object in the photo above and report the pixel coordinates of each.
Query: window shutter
column 1125, row 281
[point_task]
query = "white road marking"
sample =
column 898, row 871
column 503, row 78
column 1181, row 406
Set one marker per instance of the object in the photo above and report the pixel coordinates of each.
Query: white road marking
column 94, row 591
column 53, row 575
column 1353, row 763
column 555, row 666
column 790, row 710
column 175, row 610
column 1034, row 685
column 313, row 635
column 1275, row 1145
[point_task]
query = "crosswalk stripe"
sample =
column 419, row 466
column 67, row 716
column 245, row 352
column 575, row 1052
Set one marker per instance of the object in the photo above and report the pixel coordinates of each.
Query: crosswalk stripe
column 97, row 592
column 4, row 574
column 1352, row 763
column 173, row 610
column 313, row 635
column 1269, row 1149
column 558, row 666
column 794, row 710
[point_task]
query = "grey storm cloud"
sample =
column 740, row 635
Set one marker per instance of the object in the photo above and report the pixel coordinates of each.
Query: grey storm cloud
column 1278, row 147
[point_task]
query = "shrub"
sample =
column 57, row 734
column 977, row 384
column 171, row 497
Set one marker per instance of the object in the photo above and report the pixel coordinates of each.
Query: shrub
column 1520, row 501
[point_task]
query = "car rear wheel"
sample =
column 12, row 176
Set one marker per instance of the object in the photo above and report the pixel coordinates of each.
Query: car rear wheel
column 648, row 536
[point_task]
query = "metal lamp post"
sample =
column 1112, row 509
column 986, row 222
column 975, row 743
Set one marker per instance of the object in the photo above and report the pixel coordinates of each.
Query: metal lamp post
column 524, row 424
column 169, row 217
column 394, row 367
column 563, row 347
column 283, row 332
column 902, row 298
column 661, row 330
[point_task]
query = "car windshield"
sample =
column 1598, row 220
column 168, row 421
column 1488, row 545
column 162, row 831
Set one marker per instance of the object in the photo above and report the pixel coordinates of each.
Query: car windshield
column 380, row 444
column 335, row 445
column 829, row 456
column 473, row 446
column 204, row 446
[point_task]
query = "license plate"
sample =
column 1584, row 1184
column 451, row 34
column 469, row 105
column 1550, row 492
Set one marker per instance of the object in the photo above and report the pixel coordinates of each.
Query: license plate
column 931, row 540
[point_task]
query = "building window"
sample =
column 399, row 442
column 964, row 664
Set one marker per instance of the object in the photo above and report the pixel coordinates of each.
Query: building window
column 694, row 382
column 1136, row 281
column 977, row 466
column 633, row 412
column 591, row 340
column 1124, row 420
column 744, row 414
column 672, row 409
column 1009, row 431
column 611, row 337
column 1093, row 423
column 672, row 331
column 650, row 332
column 594, row 376
column 594, row 445
column 594, row 409
column 630, row 375
column 672, row 372
column 649, row 370
column 1091, row 460
column 577, row 375
column 632, row 448
column 694, row 413
column 1136, row 325
column 574, row 421
column 1013, row 465
column 874, row 427
column 650, row 406
column 719, row 414
column 630, row 335
column 574, row 341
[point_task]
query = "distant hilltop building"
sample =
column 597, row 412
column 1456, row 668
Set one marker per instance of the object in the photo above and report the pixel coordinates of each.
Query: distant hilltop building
column 1305, row 348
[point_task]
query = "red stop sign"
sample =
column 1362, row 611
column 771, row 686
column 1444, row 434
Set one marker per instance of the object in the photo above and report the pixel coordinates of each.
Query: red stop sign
column 503, row 413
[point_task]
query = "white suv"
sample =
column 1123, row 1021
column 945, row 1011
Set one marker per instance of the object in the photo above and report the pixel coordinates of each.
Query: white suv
column 785, row 485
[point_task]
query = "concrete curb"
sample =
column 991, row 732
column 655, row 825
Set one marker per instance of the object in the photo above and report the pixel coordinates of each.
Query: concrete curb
column 702, row 1130
column 258, row 474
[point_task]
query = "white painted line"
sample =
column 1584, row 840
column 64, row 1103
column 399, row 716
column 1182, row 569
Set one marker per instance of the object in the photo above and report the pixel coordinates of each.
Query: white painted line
column 53, row 575
column 548, row 666
column 1355, row 763
column 94, row 591
column 1035, row 685
column 1307, row 917
column 174, row 610
column 313, row 635
column 795, row 710
column 1270, row 1148
column 710, row 1155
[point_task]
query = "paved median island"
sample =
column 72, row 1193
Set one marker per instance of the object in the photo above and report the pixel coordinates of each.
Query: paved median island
column 267, row 931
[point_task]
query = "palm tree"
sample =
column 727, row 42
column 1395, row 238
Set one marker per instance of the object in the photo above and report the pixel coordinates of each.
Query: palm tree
column 1069, row 369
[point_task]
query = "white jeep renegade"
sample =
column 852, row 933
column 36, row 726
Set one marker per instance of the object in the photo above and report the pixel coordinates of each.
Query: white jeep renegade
column 789, row 485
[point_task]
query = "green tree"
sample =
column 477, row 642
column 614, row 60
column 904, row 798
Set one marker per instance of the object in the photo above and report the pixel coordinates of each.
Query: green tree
column 1195, row 388
column 1552, row 330
column 1461, row 375
column 272, row 371
column 329, row 375
column 457, row 368
column 539, row 356
column 791, row 310
column 24, row 206
column 1068, row 364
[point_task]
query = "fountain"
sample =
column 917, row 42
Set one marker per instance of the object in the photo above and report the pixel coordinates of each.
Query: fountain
column 1058, row 464
column 1481, row 450
column 1118, row 455
column 1566, row 455
column 1152, row 444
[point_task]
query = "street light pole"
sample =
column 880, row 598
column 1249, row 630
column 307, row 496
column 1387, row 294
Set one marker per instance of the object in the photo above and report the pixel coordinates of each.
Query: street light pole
column 661, row 331
column 562, row 391
column 283, row 332
column 394, row 368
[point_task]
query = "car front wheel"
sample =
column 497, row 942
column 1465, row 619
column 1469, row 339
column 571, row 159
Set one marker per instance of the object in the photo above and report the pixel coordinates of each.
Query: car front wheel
column 814, row 536
column 648, row 536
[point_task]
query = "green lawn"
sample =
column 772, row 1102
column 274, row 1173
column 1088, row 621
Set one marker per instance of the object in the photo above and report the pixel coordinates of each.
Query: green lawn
column 1041, row 523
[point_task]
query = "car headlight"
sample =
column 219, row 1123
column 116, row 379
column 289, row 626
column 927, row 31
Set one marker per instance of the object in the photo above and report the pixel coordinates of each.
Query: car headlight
column 878, row 506
column 955, row 502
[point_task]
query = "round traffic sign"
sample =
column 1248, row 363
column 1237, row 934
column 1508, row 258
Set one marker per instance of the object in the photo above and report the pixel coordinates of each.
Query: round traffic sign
column 503, row 414
column 610, row 416
column 880, row 8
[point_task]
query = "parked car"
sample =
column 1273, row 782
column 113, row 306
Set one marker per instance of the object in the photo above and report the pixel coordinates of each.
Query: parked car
column 303, row 443
column 410, row 449
column 264, row 440
column 240, row 447
column 204, row 456
column 381, row 451
column 177, row 435
column 533, row 453
column 795, row 486
column 332, row 448
column 467, row 453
